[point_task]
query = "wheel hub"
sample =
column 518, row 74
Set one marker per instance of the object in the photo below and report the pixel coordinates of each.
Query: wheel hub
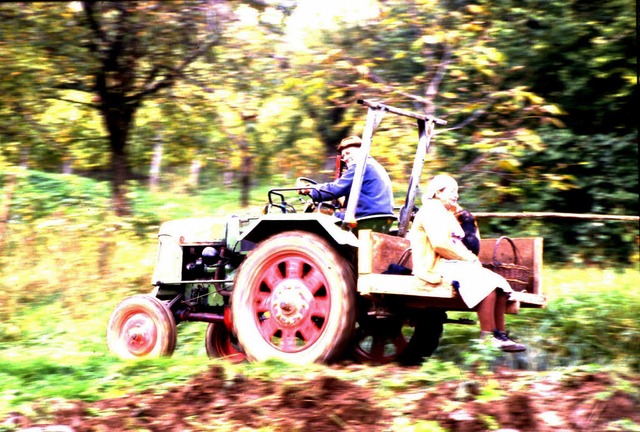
column 290, row 302
column 139, row 334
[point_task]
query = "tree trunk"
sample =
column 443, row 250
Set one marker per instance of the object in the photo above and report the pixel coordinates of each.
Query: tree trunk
column 331, row 128
column 25, row 152
column 5, row 210
column 67, row 165
column 120, row 172
column 119, row 118
column 245, row 174
column 246, row 156
column 194, row 173
column 156, row 163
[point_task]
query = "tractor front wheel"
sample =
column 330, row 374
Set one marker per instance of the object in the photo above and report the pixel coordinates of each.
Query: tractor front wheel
column 141, row 326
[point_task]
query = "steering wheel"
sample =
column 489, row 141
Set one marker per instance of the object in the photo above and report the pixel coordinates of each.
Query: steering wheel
column 305, row 182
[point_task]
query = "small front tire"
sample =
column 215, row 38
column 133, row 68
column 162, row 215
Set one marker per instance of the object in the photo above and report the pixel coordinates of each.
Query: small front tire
column 141, row 326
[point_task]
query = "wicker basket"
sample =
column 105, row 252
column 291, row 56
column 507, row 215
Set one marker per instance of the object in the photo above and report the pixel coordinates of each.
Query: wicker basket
column 516, row 274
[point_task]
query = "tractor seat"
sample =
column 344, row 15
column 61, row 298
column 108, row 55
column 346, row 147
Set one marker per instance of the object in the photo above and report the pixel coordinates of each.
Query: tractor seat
column 380, row 223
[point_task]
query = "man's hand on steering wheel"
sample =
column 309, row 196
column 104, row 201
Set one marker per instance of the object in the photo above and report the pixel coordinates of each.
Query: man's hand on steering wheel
column 304, row 183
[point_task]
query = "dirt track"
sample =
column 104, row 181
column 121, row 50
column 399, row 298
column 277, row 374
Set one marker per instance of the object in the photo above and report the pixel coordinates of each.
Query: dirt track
column 510, row 400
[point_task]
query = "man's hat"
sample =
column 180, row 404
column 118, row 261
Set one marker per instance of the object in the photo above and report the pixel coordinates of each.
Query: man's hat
column 350, row 141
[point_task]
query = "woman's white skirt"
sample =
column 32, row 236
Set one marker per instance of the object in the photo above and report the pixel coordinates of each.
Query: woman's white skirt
column 476, row 282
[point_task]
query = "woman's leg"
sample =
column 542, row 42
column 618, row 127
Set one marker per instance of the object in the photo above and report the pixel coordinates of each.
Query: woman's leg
column 491, row 312
column 499, row 310
column 487, row 313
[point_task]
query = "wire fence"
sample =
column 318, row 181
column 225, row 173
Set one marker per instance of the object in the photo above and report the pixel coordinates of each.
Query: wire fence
column 532, row 215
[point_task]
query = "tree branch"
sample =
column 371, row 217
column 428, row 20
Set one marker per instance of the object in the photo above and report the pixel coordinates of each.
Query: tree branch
column 94, row 25
column 73, row 85
column 434, row 86
column 473, row 117
column 174, row 73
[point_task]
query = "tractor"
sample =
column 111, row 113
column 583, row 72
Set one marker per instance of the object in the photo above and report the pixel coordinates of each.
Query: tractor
column 298, row 284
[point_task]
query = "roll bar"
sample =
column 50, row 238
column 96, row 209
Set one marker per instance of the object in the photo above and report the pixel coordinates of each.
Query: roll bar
column 426, row 124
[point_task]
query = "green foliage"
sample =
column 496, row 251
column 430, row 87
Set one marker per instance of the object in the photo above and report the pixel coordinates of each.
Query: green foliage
column 481, row 355
column 508, row 109
column 540, row 101
column 59, row 284
column 52, row 337
column 578, row 55
column 573, row 174
column 598, row 174
column 28, row 379
column 427, row 426
column 47, row 378
column 40, row 195
column 591, row 327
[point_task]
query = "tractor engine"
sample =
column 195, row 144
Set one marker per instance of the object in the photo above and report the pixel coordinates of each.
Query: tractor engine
column 203, row 263
column 196, row 249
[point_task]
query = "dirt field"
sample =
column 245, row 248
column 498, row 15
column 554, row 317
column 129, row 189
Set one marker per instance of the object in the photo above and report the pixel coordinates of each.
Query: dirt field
column 523, row 401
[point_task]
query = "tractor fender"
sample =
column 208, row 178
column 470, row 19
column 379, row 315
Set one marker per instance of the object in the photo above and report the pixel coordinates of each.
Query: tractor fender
column 324, row 225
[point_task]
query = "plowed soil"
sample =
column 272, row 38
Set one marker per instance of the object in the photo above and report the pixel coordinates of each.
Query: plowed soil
column 507, row 400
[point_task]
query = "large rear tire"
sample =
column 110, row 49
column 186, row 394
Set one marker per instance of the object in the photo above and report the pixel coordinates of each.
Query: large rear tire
column 141, row 326
column 294, row 299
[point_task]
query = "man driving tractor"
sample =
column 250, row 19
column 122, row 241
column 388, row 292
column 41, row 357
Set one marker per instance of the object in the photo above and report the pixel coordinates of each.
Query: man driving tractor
column 376, row 198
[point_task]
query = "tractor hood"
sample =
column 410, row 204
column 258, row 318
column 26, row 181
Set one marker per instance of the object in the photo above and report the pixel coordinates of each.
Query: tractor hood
column 194, row 231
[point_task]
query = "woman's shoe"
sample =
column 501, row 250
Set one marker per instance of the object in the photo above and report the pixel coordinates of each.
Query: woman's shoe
column 501, row 340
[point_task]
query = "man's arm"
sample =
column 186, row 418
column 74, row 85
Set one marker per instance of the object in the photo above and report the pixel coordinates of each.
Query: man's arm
column 336, row 189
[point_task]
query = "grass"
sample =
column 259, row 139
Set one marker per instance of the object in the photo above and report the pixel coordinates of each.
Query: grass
column 55, row 354
column 64, row 268
column 590, row 318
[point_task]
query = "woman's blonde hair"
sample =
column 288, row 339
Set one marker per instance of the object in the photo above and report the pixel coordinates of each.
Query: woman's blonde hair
column 438, row 183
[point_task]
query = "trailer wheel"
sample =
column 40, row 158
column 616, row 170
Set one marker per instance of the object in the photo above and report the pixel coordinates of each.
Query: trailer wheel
column 221, row 343
column 424, row 341
column 294, row 299
column 379, row 341
column 141, row 326
column 388, row 340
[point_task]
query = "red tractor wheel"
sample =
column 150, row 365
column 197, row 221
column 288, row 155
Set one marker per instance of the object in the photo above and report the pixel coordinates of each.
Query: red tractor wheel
column 141, row 326
column 294, row 299
column 221, row 343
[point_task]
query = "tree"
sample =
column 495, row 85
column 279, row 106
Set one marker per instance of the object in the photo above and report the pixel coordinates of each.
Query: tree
column 122, row 53
column 136, row 58
column 579, row 55
column 440, row 58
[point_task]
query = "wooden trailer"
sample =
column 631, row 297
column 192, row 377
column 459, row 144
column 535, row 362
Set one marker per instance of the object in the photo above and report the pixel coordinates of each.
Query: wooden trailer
column 377, row 251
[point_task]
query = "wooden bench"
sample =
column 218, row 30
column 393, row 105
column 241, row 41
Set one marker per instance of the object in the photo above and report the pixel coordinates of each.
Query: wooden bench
column 377, row 251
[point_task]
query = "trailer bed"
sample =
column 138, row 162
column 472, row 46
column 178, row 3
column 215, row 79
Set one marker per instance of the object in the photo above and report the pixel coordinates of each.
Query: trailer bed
column 377, row 251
